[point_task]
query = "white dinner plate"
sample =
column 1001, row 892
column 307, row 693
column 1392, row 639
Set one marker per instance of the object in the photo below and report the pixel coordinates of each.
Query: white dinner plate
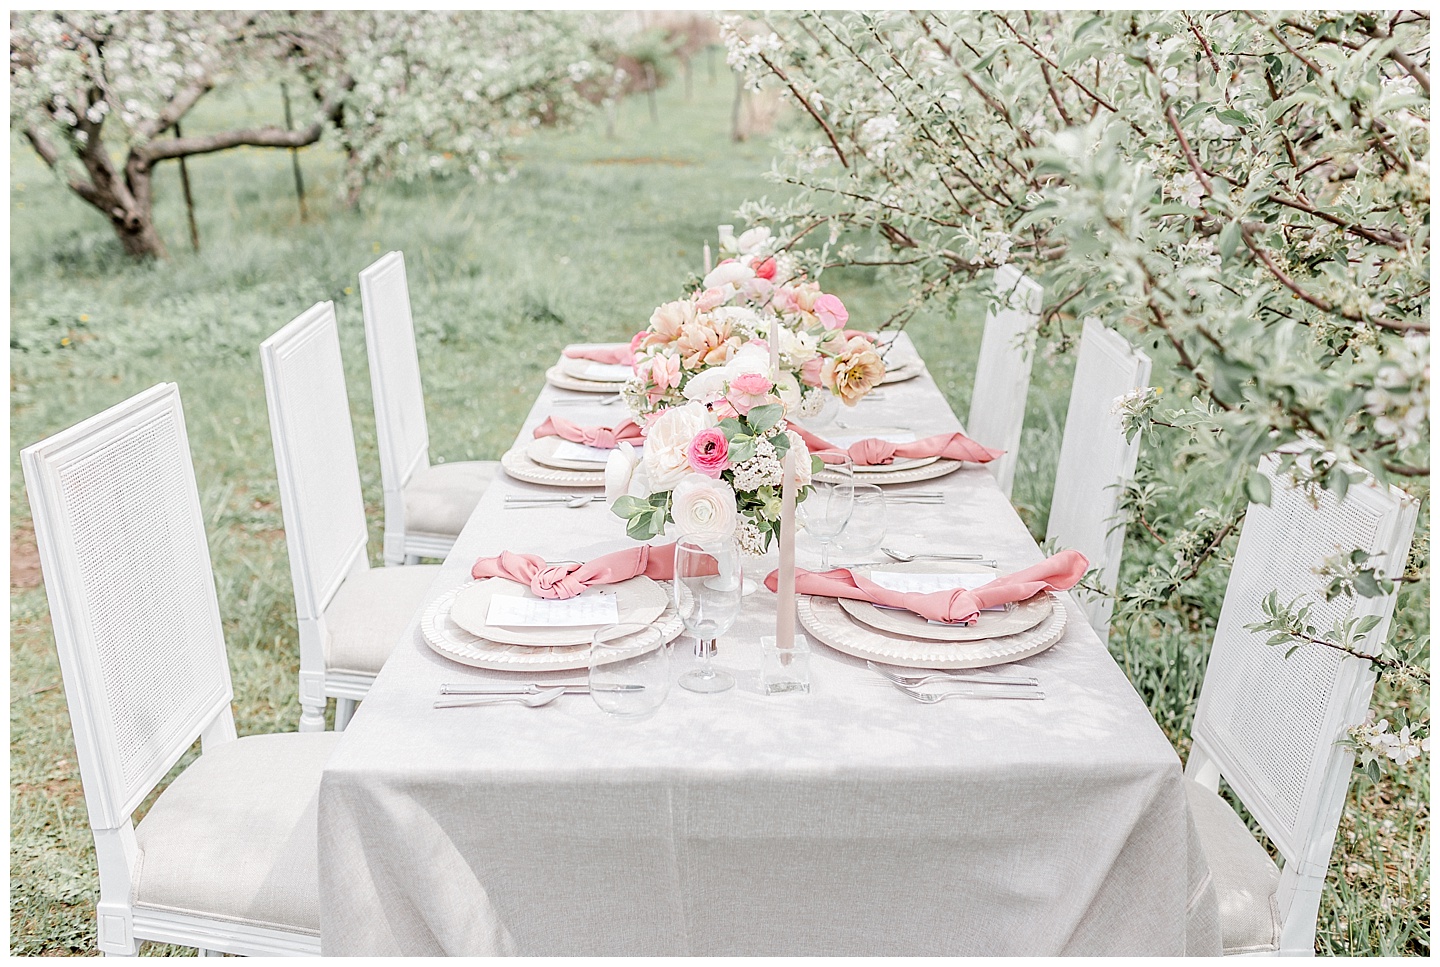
column 449, row 640
column 542, row 450
column 1022, row 616
column 595, row 372
column 639, row 600
column 909, row 463
column 517, row 463
column 557, row 377
column 830, row 625
column 937, row 467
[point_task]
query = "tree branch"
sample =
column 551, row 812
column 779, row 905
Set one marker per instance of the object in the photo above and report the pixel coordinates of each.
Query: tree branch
column 808, row 107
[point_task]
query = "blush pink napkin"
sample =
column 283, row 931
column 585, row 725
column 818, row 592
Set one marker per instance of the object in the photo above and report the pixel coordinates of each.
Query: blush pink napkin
column 604, row 437
column 569, row 579
column 874, row 453
column 602, row 354
column 1058, row 573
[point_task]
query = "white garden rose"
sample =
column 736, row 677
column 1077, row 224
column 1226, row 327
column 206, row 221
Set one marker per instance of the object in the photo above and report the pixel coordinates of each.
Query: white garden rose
column 704, row 509
column 802, row 458
column 728, row 273
column 787, row 387
column 749, row 358
column 709, row 385
column 624, row 474
column 665, row 461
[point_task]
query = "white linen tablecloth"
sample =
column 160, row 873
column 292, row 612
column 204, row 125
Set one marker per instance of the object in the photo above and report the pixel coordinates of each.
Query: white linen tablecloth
column 849, row 821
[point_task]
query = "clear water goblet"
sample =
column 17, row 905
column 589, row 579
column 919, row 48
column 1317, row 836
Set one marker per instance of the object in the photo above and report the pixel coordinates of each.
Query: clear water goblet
column 826, row 510
column 707, row 592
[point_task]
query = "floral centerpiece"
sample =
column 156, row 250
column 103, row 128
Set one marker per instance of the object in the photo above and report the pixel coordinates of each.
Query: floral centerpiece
column 696, row 348
column 713, row 469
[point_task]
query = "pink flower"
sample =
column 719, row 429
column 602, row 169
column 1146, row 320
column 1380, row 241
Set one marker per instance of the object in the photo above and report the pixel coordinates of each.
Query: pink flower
column 664, row 373
column 709, row 453
column 766, row 269
column 749, row 390
column 810, row 371
column 709, row 299
column 722, row 409
column 831, row 311
column 784, row 300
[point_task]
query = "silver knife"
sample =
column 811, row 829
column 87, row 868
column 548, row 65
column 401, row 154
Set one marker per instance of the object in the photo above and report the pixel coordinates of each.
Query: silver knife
column 528, row 688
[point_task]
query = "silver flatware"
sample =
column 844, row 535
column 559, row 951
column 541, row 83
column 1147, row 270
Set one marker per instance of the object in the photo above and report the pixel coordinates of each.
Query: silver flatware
column 506, row 688
column 970, row 691
column 570, row 502
column 925, row 678
column 605, row 401
column 533, row 701
column 906, row 558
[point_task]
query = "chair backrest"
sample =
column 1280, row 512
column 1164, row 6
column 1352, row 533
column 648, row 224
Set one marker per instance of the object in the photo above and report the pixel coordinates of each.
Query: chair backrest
column 1002, row 371
column 400, row 427
column 1274, row 725
column 1096, row 460
column 314, row 441
column 132, row 597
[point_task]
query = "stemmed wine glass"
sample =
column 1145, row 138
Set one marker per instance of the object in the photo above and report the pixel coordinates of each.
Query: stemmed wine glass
column 707, row 591
column 827, row 510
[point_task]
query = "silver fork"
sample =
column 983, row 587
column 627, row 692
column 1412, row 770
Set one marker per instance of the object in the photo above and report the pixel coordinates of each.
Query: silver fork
column 934, row 698
column 911, row 681
column 534, row 701
column 607, row 401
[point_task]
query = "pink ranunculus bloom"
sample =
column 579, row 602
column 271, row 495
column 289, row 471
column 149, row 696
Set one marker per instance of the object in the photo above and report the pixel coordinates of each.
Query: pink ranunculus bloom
column 749, row 390
column 766, row 269
column 831, row 311
column 709, row 453
column 709, row 299
column 810, row 371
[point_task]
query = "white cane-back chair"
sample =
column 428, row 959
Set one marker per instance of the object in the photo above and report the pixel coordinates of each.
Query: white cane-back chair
column 1096, row 461
column 350, row 615
column 225, row 859
column 1275, row 727
column 426, row 504
column 1002, row 371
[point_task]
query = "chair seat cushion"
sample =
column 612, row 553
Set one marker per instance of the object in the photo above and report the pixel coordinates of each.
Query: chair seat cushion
column 1246, row 878
column 234, row 836
column 369, row 613
column 439, row 498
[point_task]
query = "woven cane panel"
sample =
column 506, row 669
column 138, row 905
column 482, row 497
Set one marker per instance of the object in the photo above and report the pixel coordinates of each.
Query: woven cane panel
column 319, row 440
column 1263, row 713
column 395, row 368
column 1095, row 458
column 147, row 595
column 1002, row 371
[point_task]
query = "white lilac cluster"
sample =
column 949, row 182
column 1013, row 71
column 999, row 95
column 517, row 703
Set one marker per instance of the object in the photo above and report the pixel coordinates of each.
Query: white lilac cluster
column 761, row 470
column 1374, row 739
column 1400, row 399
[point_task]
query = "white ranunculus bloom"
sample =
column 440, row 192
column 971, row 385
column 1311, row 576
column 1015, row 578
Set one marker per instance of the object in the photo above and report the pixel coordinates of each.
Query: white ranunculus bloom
column 728, row 273
column 802, row 458
column 708, row 385
column 624, row 474
column 665, row 461
column 704, row 509
column 753, row 239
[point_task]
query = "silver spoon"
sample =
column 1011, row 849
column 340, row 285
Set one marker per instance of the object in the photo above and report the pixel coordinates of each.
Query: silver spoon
column 533, row 701
column 572, row 502
column 906, row 558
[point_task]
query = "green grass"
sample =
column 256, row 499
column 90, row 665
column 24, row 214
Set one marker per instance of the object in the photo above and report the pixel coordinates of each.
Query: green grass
column 581, row 245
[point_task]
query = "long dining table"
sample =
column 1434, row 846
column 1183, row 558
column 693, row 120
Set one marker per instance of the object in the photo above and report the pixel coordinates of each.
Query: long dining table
column 851, row 820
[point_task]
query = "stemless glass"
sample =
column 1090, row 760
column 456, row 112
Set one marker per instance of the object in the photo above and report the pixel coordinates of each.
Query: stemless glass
column 707, row 590
column 629, row 670
column 864, row 532
column 825, row 512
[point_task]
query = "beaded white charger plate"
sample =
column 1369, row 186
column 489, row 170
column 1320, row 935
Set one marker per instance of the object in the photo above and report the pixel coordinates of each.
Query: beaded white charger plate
column 594, row 372
column 542, row 450
column 1018, row 617
column 556, row 376
column 888, row 475
column 517, row 463
column 449, row 640
column 639, row 600
column 828, row 622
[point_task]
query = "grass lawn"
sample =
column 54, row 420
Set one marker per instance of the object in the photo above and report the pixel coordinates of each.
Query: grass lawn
column 590, row 236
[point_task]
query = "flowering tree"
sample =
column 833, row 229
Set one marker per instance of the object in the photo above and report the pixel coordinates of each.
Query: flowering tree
column 1245, row 194
column 405, row 91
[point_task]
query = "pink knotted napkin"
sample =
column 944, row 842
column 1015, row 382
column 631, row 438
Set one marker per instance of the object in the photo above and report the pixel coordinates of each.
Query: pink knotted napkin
column 604, row 437
column 602, row 354
column 569, row 579
column 873, row 452
column 1057, row 573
